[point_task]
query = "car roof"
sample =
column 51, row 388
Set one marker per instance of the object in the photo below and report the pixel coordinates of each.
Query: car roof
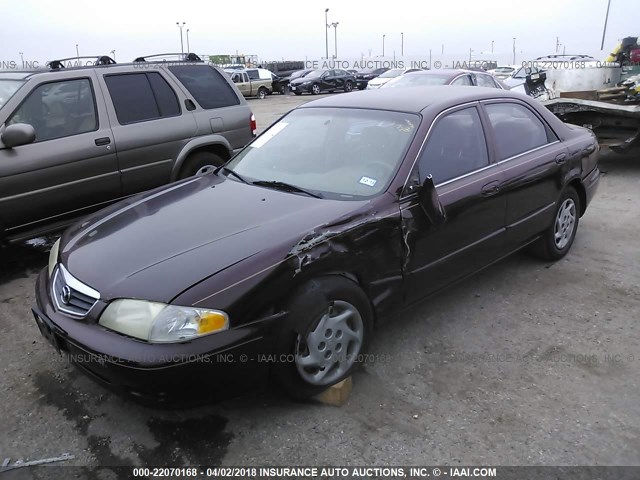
column 418, row 100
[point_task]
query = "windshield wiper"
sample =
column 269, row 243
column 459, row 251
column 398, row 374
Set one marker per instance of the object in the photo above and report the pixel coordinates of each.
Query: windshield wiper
column 285, row 187
column 231, row 172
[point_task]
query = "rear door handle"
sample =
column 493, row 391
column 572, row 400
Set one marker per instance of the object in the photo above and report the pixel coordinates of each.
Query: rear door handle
column 103, row 141
column 491, row 188
column 562, row 158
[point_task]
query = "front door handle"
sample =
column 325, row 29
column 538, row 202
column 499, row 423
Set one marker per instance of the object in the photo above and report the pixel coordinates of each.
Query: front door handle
column 103, row 141
column 491, row 188
column 562, row 158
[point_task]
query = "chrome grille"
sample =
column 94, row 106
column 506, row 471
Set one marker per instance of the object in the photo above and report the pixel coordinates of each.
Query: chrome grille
column 70, row 295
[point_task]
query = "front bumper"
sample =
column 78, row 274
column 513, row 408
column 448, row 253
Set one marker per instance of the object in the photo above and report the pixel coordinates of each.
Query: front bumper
column 209, row 368
column 300, row 88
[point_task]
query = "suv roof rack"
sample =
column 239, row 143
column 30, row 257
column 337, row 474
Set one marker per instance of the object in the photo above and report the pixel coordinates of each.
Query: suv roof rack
column 100, row 60
column 184, row 57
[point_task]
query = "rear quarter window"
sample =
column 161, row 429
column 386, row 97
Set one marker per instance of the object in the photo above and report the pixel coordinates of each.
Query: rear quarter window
column 206, row 85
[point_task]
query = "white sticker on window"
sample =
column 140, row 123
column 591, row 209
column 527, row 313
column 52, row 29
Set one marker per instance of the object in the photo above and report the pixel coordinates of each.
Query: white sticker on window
column 369, row 182
column 269, row 134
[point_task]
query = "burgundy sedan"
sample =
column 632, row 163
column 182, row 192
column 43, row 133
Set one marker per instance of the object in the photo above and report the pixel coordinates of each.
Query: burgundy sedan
column 280, row 263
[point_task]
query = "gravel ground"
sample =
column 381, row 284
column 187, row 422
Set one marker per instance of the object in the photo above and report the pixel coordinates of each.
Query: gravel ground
column 527, row 363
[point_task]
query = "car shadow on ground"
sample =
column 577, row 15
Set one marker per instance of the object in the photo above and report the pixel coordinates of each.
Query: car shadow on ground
column 21, row 259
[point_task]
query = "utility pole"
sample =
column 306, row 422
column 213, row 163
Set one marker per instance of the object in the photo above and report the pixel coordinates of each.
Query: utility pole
column 557, row 44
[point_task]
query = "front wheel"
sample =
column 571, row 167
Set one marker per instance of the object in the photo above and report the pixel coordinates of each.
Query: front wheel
column 348, row 87
column 315, row 89
column 556, row 241
column 330, row 321
column 298, row 93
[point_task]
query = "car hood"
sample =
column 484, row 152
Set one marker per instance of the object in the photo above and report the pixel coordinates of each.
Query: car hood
column 157, row 245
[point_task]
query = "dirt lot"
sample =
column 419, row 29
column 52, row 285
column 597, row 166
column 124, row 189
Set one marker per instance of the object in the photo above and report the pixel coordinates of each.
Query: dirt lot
column 525, row 363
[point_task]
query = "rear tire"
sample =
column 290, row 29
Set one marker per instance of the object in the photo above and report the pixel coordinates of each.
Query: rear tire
column 556, row 241
column 199, row 163
column 262, row 93
column 328, row 328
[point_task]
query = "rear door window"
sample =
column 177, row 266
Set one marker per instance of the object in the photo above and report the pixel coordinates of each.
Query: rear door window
column 139, row 97
column 516, row 129
column 206, row 85
column 456, row 147
column 58, row 109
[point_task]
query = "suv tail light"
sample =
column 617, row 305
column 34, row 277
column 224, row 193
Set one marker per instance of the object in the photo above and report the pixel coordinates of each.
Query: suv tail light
column 254, row 125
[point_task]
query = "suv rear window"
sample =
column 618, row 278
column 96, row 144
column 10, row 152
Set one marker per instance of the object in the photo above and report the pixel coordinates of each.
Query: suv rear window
column 206, row 85
column 138, row 97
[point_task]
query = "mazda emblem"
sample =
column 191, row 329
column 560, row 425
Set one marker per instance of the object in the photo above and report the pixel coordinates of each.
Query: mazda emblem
column 66, row 295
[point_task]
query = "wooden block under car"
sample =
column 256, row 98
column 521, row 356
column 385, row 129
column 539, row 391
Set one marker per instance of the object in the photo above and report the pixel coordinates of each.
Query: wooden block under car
column 336, row 395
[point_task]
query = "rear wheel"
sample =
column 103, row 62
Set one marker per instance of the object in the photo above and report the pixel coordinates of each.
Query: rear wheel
column 200, row 163
column 262, row 93
column 556, row 241
column 330, row 321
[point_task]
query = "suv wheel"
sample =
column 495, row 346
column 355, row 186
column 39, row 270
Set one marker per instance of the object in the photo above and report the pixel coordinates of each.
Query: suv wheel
column 200, row 163
column 262, row 93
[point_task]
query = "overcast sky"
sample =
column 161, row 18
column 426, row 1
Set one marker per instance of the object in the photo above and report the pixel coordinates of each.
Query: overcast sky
column 44, row 30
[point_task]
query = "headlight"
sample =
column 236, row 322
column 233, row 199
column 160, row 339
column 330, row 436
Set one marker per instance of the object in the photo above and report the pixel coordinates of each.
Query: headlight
column 53, row 256
column 161, row 323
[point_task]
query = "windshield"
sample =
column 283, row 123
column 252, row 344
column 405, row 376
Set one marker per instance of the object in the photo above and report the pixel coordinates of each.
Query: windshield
column 314, row 73
column 347, row 154
column 392, row 73
column 7, row 89
column 418, row 81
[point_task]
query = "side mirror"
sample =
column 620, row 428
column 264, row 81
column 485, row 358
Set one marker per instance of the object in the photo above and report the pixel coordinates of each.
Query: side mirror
column 18, row 134
column 430, row 202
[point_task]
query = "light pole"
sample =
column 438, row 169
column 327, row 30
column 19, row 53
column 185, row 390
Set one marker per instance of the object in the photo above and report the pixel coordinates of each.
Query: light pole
column 402, row 44
column 113, row 52
column 326, row 33
column 22, row 58
column 514, row 50
column 180, row 27
column 604, row 30
column 491, row 46
column 77, row 52
column 335, row 27
column 383, row 36
column 188, row 49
